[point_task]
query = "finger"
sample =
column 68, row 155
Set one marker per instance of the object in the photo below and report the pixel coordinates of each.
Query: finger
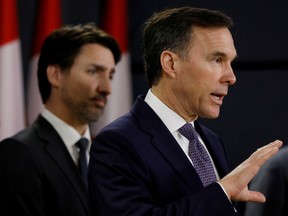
column 252, row 165
column 255, row 196
column 276, row 143
column 267, row 150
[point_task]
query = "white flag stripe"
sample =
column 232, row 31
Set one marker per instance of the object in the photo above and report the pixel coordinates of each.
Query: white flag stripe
column 119, row 101
column 11, row 90
column 34, row 102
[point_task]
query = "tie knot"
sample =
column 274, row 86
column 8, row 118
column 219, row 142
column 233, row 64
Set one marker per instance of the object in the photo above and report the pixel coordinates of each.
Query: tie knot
column 82, row 144
column 188, row 131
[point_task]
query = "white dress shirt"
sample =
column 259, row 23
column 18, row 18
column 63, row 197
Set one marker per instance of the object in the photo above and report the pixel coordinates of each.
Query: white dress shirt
column 68, row 134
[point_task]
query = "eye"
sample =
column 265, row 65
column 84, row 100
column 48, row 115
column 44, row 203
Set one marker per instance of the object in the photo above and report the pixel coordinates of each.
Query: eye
column 218, row 60
column 92, row 71
column 111, row 75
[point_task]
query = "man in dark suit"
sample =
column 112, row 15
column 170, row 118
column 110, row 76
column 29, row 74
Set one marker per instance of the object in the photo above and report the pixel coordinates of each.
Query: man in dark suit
column 271, row 180
column 144, row 163
column 43, row 167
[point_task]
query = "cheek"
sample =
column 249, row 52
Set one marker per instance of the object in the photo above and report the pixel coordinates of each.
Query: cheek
column 89, row 87
column 79, row 89
column 89, row 82
column 94, row 85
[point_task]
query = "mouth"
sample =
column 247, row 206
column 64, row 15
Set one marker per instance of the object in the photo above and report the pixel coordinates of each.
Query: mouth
column 218, row 97
column 100, row 102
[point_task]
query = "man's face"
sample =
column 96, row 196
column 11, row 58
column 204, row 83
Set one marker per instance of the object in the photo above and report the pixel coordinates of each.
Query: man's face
column 84, row 89
column 204, row 76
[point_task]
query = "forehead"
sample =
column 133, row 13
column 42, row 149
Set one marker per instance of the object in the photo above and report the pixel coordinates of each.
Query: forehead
column 213, row 40
column 95, row 52
column 94, row 49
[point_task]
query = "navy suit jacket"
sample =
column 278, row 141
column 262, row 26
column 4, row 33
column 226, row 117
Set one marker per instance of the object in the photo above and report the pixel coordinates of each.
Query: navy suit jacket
column 38, row 175
column 138, row 168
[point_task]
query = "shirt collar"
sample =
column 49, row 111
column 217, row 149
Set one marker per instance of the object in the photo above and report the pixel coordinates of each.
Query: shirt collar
column 171, row 119
column 68, row 134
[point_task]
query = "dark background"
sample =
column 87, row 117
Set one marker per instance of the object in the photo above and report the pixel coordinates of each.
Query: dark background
column 255, row 111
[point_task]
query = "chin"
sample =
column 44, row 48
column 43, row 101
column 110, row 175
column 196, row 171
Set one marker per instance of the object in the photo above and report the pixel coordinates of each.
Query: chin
column 92, row 116
column 211, row 115
column 215, row 114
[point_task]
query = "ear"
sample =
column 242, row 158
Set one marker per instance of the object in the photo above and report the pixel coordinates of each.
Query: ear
column 53, row 75
column 167, row 61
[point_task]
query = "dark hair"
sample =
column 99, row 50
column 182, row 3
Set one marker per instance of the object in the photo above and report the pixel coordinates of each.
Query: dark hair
column 172, row 30
column 63, row 45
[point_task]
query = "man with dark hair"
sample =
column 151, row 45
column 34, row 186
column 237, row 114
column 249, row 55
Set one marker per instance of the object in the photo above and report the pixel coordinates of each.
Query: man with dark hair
column 44, row 167
column 157, row 159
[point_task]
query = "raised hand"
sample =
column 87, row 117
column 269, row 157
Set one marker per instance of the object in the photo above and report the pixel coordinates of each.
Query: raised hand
column 236, row 182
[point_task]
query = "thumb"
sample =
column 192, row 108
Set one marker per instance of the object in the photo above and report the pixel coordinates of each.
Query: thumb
column 255, row 196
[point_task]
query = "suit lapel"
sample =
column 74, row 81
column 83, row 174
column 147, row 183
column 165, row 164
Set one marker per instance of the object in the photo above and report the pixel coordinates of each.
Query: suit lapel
column 58, row 152
column 165, row 143
column 174, row 155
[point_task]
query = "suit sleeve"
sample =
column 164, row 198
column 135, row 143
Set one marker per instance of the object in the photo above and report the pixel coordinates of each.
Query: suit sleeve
column 121, row 184
column 271, row 180
column 20, row 188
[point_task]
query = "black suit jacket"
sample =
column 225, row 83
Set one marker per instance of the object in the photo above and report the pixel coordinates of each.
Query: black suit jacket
column 138, row 168
column 38, row 175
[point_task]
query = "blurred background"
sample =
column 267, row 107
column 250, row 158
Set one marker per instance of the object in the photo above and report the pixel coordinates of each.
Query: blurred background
column 255, row 111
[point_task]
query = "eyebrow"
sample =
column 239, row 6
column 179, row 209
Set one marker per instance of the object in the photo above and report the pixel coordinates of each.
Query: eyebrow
column 222, row 54
column 102, row 68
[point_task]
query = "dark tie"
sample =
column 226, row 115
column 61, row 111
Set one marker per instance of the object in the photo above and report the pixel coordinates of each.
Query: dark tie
column 199, row 156
column 82, row 144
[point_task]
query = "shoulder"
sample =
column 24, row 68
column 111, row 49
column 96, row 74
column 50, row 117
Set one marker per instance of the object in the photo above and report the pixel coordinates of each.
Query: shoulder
column 30, row 138
column 18, row 145
column 16, row 156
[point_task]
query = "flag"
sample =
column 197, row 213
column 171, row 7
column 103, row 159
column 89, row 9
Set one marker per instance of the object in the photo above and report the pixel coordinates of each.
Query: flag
column 119, row 102
column 48, row 19
column 11, row 78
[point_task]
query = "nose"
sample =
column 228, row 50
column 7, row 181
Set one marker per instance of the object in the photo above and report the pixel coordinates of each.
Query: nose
column 229, row 76
column 105, row 85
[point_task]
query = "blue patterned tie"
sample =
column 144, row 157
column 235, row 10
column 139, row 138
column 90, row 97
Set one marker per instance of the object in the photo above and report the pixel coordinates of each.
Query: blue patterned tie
column 199, row 156
column 82, row 144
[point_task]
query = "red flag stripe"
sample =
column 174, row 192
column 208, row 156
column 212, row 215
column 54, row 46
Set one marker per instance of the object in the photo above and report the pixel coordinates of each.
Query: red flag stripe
column 115, row 21
column 48, row 19
column 8, row 21
column 11, row 82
